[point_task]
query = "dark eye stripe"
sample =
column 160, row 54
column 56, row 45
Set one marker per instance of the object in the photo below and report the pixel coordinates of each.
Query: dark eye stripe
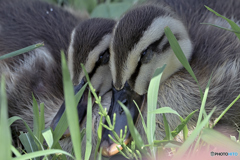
column 134, row 76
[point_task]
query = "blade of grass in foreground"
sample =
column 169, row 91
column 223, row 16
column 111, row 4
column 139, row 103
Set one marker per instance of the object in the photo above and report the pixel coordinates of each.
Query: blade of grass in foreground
column 89, row 128
column 152, row 98
column 71, row 109
column 180, row 55
column 21, row 51
column 5, row 134
column 134, row 133
column 183, row 149
column 42, row 153
column 215, row 138
column 234, row 26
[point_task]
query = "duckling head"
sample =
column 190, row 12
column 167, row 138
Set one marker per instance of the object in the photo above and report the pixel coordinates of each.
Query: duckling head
column 139, row 46
column 89, row 46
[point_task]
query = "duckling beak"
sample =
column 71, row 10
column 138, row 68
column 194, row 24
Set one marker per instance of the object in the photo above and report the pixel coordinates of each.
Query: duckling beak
column 81, row 108
column 126, row 96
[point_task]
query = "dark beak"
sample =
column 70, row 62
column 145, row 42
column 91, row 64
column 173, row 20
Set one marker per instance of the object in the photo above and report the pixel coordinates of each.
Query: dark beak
column 81, row 108
column 126, row 96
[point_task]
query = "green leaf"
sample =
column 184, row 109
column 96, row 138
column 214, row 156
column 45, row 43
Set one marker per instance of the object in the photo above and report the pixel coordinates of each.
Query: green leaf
column 152, row 97
column 28, row 142
column 62, row 124
column 41, row 122
column 5, row 134
column 185, row 146
column 89, row 128
column 134, row 133
column 167, row 128
column 234, row 26
column 71, row 109
column 15, row 151
column 180, row 55
column 204, row 101
column 225, row 110
column 180, row 127
column 163, row 143
column 36, row 128
column 48, row 136
column 42, row 153
column 99, row 134
column 219, row 140
column 165, row 110
column 21, row 51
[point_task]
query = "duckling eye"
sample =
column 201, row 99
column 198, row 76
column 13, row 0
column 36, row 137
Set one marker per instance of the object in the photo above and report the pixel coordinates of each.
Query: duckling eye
column 146, row 55
column 104, row 57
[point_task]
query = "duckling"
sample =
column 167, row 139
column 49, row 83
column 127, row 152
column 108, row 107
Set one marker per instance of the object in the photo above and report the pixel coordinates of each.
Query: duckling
column 38, row 72
column 139, row 46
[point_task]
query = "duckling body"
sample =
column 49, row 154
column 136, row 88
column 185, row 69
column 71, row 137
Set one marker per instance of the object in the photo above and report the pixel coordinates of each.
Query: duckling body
column 139, row 46
column 38, row 72
column 25, row 23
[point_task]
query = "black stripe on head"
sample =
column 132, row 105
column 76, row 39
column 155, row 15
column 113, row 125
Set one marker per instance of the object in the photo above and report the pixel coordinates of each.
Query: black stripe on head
column 129, row 31
column 88, row 35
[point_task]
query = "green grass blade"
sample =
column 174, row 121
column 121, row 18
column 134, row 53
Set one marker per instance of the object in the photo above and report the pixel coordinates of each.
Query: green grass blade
column 5, row 134
column 165, row 110
column 89, row 128
column 143, row 122
column 28, row 142
column 204, row 102
column 21, row 51
column 41, row 122
column 134, row 133
column 234, row 26
column 222, row 114
column 42, row 153
column 180, row 55
column 62, row 124
column 48, row 136
column 167, row 128
column 36, row 127
column 215, row 138
column 71, row 109
column 152, row 97
column 15, row 151
column 99, row 134
column 222, row 27
column 185, row 146
column 180, row 127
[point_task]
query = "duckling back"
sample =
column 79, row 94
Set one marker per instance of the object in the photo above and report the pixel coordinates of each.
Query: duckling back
column 38, row 72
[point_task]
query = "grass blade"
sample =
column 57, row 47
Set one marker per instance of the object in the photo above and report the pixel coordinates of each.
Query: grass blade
column 167, row 128
column 62, row 124
column 21, row 51
column 134, row 133
column 234, row 26
column 71, row 109
column 5, row 134
column 41, row 122
column 99, row 134
column 152, row 98
column 215, row 138
column 181, row 126
column 89, row 127
column 225, row 110
column 28, row 142
column 165, row 110
column 202, row 109
column 183, row 149
column 36, row 127
column 42, row 153
column 48, row 136
column 180, row 55
column 15, row 151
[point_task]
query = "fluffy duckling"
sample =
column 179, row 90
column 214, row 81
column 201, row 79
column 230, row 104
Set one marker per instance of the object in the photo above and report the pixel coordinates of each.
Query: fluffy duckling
column 38, row 72
column 139, row 46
